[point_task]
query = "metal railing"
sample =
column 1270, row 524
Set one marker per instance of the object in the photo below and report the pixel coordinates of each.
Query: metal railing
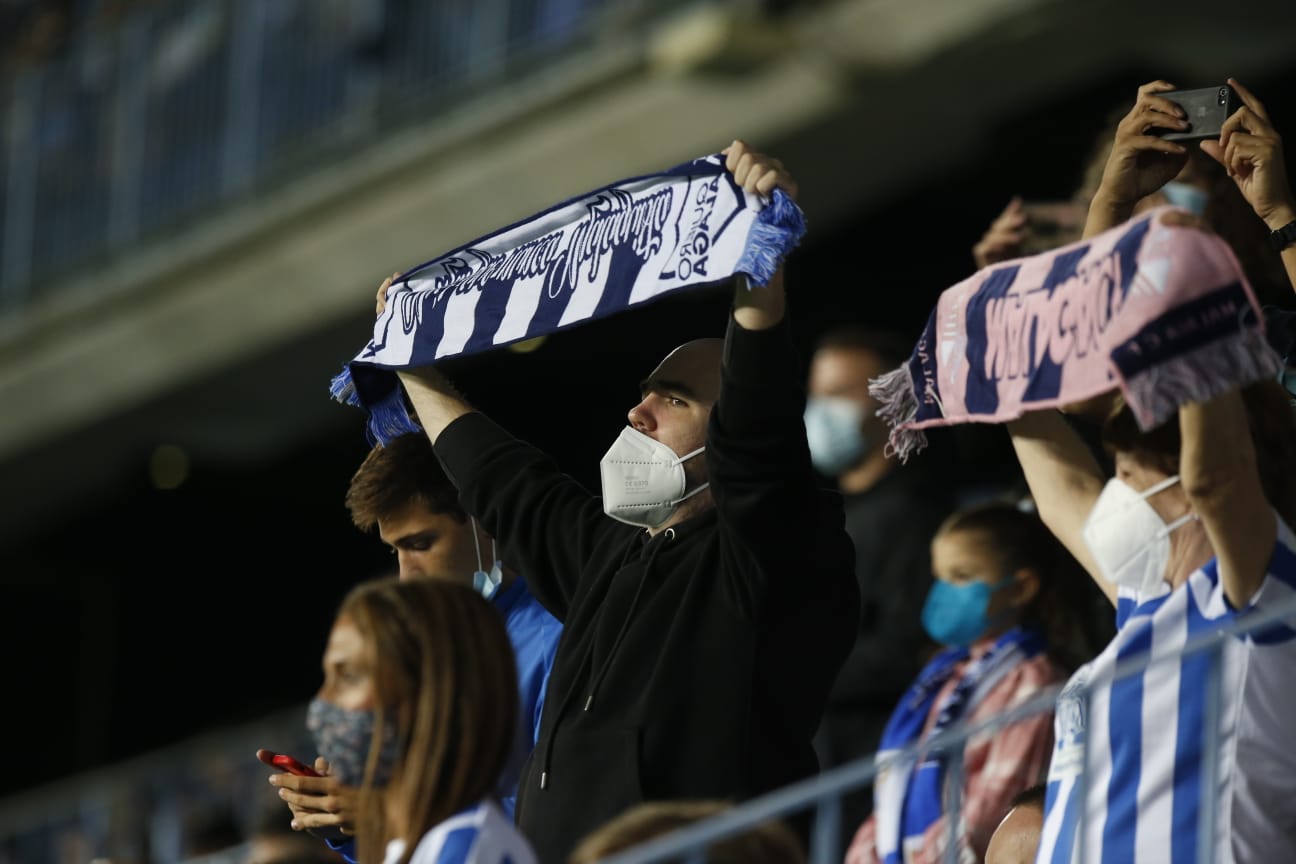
column 183, row 108
column 822, row 793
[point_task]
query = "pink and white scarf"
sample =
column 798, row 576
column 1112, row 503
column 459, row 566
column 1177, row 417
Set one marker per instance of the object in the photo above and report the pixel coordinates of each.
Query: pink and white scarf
column 1163, row 311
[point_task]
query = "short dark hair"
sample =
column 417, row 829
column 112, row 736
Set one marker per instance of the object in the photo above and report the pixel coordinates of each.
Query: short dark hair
column 1030, row 797
column 889, row 346
column 391, row 477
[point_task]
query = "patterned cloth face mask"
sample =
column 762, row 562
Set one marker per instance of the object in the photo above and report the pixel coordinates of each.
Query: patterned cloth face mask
column 343, row 737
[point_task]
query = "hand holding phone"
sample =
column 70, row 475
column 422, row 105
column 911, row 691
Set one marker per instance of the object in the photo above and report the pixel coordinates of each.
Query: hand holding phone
column 299, row 800
column 1205, row 109
column 287, row 763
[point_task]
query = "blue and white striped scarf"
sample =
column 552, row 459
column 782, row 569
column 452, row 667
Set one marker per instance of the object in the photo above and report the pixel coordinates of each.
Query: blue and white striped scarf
column 908, row 794
column 590, row 256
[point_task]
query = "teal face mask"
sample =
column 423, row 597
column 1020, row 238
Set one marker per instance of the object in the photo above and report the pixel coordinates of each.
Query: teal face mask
column 955, row 615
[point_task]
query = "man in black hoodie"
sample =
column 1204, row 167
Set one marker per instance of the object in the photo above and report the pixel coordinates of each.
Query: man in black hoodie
column 702, row 638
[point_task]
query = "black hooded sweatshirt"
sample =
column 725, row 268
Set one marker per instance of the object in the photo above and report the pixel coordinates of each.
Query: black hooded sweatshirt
column 693, row 664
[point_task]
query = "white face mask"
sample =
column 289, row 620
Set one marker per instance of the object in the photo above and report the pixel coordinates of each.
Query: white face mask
column 643, row 479
column 1129, row 541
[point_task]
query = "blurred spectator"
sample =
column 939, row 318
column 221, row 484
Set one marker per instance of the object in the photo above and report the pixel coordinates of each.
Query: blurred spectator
column 1005, row 604
column 417, row 713
column 891, row 515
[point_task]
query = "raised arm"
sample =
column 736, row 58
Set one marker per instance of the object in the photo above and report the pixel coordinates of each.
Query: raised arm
column 1139, row 163
column 1065, row 481
column 1251, row 150
column 1217, row 466
column 761, row 308
column 761, row 479
column 436, row 402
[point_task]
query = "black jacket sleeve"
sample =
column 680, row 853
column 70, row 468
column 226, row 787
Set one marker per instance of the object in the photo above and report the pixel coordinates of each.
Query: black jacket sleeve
column 546, row 523
column 766, row 493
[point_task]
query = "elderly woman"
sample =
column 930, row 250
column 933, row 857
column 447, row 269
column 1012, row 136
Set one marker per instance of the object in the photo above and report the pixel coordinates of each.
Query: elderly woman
column 1191, row 533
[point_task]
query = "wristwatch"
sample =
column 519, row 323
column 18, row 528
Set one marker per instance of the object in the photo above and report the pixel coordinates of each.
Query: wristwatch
column 1283, row 237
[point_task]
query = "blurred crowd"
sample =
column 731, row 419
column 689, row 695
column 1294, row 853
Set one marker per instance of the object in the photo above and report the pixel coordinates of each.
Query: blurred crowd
column 551, row 675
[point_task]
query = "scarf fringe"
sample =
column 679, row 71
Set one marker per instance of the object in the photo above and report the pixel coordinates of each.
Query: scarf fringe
column 898, row 404
column 387, row 419
column 1156, row 394
column 777, row 230
column 342, row 388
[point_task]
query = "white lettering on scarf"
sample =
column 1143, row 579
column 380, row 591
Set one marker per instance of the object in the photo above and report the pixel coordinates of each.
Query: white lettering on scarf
column 1063, row 322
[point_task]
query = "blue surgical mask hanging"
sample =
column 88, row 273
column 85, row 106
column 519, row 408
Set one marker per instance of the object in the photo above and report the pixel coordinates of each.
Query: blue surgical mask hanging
column 833, row 431
column 485, row 583
column 1185, row 196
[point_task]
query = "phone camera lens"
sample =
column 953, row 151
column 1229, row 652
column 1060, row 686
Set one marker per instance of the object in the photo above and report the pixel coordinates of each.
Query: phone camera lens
column 1223, row 96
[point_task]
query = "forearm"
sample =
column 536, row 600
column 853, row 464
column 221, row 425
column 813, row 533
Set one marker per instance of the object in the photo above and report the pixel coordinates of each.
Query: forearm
column 1281, row 217
column 760, row 308
column 434, row 398
column 1065, row 480
column 1106, row 212
column 1218, row 470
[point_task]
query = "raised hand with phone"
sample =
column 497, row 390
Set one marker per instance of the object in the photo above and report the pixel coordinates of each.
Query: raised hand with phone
column 1251, row 151
column 1141, row 159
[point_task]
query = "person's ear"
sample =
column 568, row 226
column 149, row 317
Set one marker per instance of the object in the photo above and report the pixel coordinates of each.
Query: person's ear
column 1026, row 586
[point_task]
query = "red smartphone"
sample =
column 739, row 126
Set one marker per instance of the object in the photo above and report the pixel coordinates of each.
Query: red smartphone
column 292, row 766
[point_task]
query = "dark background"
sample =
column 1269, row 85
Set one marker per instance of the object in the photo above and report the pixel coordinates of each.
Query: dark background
column 142, row 617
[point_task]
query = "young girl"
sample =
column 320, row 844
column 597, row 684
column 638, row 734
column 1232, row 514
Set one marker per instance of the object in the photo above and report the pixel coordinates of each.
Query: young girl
column 417, row 711
column 1004, row 605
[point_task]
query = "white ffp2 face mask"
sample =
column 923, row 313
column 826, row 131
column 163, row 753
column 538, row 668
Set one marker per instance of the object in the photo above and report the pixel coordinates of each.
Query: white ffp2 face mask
column 643, row 479
column 1129, row 541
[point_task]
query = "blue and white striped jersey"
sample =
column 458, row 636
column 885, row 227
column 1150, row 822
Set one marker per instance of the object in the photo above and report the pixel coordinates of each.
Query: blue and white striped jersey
column 1143, row 775
column 480, row 835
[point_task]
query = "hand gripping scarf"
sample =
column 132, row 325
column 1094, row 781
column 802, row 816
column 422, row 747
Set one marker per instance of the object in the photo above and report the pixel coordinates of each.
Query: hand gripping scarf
column 588, row 257
column 1162, row 311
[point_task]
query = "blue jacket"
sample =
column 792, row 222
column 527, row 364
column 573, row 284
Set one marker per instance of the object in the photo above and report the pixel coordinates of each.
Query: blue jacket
column 534, row 633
